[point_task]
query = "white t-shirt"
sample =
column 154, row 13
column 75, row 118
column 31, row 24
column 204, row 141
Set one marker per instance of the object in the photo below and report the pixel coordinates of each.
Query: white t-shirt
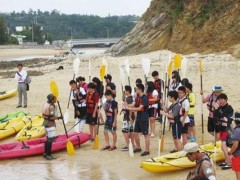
column 154, row 94
column 174, row 86
column 22, row 77
column 185, row 105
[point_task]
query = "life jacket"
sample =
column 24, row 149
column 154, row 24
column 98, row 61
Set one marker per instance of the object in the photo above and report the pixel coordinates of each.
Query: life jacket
column 138, row 102
column 210, row 103
column 223, row 115
column 176, row 119
column 79, row 97
column 195, row 173
column 90, row 101
column 229, row 139
column 109, row 111
column 150, row 96
column 191, row 106
column 84, row 86
column 182, row 112
column 158, row 84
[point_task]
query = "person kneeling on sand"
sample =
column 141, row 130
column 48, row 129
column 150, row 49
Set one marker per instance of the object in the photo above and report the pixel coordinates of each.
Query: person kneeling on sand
column 49, row 113
column 128, row 119
column 235, row 147
column 142, row 121
column 172, row 113
column 111, row 110
column 204, row 167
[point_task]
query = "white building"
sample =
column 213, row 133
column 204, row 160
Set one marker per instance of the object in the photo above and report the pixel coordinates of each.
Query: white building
column 19, row 38
column 20, row 28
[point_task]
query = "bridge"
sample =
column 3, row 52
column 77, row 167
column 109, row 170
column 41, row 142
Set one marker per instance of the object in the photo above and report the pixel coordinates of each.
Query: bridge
column 98, row 42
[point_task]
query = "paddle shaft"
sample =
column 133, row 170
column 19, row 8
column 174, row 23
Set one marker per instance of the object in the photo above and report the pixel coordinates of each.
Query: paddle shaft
column 99, row 108
column 65, row 129
column 70, row 93
column 129, row 83
column 201, row 80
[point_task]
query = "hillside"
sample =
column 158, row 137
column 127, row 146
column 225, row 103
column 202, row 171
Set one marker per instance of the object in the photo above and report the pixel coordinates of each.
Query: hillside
column 185, row 26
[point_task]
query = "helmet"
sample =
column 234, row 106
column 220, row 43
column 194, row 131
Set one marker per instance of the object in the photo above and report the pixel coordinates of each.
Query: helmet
column 50, row 97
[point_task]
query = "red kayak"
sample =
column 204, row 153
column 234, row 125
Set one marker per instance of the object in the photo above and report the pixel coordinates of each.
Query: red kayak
column 36, row 146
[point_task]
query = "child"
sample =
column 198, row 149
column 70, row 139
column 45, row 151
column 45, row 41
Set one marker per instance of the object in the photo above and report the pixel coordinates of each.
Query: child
column 92, row 105
column 82, row 83
column 184, row 103
column 191, row 112
column 128, row 119
column 153, row 105
column 111, row 110
column 142, row 121
column 172, row 113
column 109, row 85
column 80, row 106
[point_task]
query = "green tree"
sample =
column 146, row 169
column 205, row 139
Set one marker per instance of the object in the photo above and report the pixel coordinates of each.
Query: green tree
column 3, row 31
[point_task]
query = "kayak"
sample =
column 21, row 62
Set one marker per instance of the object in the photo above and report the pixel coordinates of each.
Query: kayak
column 32, row 130
column 36, row 146
column 12, row 115
column 173, row 162
column 13, row 126
column 8, row 94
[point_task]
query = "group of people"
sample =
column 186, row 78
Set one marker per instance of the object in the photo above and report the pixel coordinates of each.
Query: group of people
column 142, row 107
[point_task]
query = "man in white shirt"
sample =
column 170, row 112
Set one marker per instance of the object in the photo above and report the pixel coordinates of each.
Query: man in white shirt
column 20, row 76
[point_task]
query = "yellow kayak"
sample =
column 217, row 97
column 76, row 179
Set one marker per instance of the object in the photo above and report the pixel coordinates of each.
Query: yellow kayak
column 173, row 162
column 32, row 130
column 13, row 126
column 8, row 94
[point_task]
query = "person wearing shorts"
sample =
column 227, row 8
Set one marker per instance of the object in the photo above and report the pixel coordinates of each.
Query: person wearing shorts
column 78, row 96
column 142, row 121
column 111, row 110
column 192, row 101
column 49, row 113
column 172, row 113
column 184, row 103
column 234, row 153
column 128, row 119
column 92, row 106
column 211, row 100
column 223, row 115
column 153, row 106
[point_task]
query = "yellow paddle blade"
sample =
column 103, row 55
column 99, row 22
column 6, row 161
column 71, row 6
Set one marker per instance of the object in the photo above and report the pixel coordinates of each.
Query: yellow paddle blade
column 102, row 72
column 162, row 144
column 177, row 61
column 170, row 66
column 54, row 88
column 70, row 148
column 96, row 142
column 200, row 67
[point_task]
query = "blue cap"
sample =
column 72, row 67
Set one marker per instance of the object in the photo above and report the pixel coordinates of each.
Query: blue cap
column 217, row 88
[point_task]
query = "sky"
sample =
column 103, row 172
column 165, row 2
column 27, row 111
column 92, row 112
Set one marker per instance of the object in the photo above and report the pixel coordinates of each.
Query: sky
column 87, row 7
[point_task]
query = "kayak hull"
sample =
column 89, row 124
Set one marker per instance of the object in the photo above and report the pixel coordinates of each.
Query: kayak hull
column 173, row 162
column 33, row 130
column 12, row 115
column 36, row 146
column 8, row 94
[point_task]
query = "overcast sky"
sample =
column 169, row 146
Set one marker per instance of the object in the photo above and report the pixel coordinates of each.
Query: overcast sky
column 93, row 7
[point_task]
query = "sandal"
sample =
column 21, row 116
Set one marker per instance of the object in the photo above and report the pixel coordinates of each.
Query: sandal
column 145, row 153
column 112, row 148
column 105, row 148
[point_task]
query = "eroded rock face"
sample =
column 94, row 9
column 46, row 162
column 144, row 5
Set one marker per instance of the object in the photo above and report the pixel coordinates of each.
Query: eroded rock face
column 184, row 26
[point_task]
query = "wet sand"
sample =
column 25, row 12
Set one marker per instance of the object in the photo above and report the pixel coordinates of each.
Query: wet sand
column 94, row 164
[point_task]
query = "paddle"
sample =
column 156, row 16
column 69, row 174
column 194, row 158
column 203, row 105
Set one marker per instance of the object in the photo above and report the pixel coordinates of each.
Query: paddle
column 201, row 85
column 127, row 68
column 146, row 68
column 76, row 64
column 89, row 70
column 54, row 90
column 169, row 73
column 177, row 62
column 102, row 74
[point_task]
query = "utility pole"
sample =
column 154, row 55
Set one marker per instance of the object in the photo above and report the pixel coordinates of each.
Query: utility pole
column 32, row 31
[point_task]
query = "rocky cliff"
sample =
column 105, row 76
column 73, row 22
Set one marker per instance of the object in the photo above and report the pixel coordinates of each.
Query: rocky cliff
column 184, row 26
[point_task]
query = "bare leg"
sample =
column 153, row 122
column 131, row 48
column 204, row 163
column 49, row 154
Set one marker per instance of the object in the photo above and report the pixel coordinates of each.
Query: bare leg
column 179, row 145
column 101, row 118
column 95, row 127
column 137, row 140
column 114, row 139
column 126, row 136
column 106, row 138
column 152, row 125
column 91, row 131
column 238, row 175
column 147, row 142
column 225, row 152
column 184, row 137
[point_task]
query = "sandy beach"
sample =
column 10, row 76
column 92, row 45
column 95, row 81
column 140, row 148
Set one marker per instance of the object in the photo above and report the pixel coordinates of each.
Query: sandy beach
column 219, row 69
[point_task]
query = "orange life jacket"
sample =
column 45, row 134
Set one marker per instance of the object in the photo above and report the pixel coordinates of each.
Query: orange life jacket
column 138, row 103
column 90, row 101
column 150, row 96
